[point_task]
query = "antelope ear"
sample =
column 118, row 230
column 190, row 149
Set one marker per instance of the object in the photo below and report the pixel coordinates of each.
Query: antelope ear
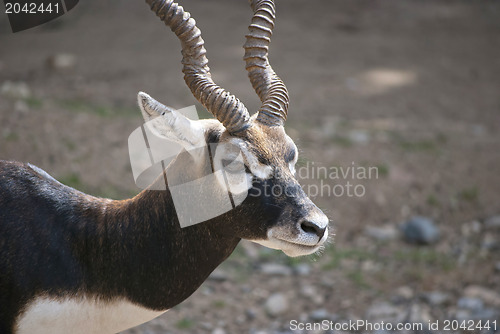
column 150, row 108
column 167, row 123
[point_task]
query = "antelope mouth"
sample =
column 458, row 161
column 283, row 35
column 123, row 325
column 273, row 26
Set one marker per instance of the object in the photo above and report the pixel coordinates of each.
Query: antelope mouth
column 298, row 244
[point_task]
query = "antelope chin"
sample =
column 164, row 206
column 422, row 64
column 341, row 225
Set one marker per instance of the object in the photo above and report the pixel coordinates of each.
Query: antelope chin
column 294, row 250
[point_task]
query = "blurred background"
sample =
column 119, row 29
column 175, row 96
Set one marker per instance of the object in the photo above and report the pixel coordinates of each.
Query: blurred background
column 409, row 87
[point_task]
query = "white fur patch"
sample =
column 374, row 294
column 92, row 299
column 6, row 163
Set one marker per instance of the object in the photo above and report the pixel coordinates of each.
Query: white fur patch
column 81, row 316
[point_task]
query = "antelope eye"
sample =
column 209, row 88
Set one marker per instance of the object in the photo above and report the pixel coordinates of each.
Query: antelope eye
column 290, row 155
column 233, row 166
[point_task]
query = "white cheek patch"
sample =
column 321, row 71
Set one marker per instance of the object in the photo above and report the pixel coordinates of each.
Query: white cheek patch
column 233, row 175
column 261, row 171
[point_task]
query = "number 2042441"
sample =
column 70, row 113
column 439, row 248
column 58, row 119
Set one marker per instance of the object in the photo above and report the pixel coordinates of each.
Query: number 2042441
column 31, row 8
column 469, row 325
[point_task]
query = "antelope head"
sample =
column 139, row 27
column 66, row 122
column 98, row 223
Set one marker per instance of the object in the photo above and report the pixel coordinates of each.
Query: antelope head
column 276, row 212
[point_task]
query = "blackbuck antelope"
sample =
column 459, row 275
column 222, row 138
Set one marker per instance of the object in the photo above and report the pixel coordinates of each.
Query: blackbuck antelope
column 74, row 263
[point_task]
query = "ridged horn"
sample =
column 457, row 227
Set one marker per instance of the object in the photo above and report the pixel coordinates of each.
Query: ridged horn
column 223, row 105
column 268, row 86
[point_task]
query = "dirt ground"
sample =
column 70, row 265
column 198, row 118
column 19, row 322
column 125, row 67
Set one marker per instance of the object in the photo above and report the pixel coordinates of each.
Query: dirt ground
column 409, row 87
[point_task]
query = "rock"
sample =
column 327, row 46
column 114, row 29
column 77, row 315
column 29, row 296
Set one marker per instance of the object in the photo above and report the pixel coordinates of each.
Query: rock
column 218, row 331
column 21, row 106
column 218, row 275
column 493, row 222
column 308, row 291
column 320, row 315
column 420, row 230
column 436, row 298
column 206, row 325
column 385, row 312
column 488, row 296
column 250, row 248
column 419, row 313
column 487, row 314
column 62, row 61
column 303, row 317
column 207, row 290
column 405, row 292
column 312, row 293
column 489, row 242
column 482, row 314
column 497, row 266
column 369, row 266
column 275, row 269
column 303, row 269
column 473, row 227
column 327, row 282
column 15, row 90
column 470, row 303
column 478, row 130
column 245, row 288
column 359, row 136
column 276, row 304
column 250, row 313
column 384, row 233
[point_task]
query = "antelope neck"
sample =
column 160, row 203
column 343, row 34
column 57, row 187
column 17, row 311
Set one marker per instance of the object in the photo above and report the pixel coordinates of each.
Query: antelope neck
column 140, row 252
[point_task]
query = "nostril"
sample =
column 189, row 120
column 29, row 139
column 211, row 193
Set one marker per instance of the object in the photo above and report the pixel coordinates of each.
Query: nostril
column 310, row 227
